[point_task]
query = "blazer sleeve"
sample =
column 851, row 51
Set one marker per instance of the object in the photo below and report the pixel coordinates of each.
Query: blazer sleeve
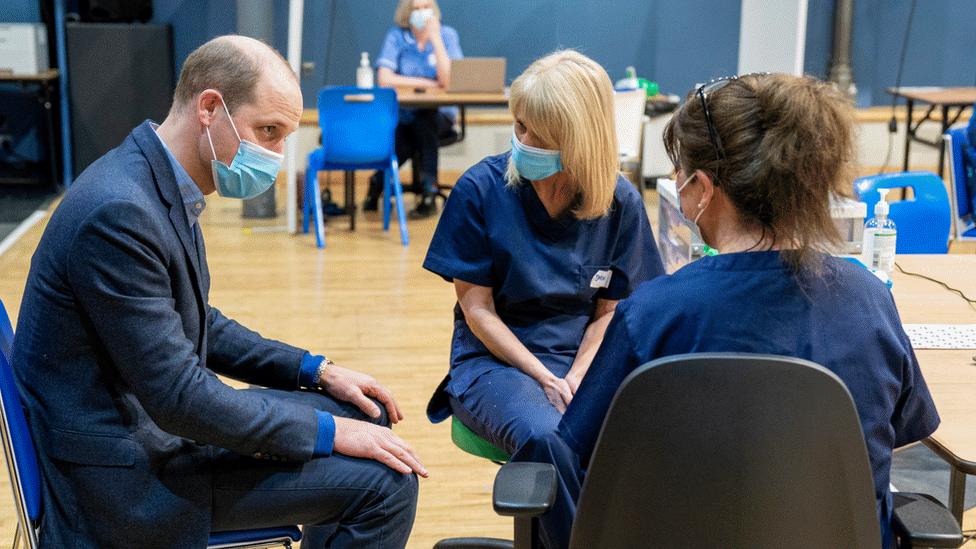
column 240, row 353
column 118, row 270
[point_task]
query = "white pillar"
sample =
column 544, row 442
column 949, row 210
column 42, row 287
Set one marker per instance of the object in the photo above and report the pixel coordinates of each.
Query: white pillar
column 772, row 36
column 296, row 9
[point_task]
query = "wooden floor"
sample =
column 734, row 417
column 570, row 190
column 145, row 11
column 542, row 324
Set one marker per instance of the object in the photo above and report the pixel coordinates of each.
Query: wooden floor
column 364, row 301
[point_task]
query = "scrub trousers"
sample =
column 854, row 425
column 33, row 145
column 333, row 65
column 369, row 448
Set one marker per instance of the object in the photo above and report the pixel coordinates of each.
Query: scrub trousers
column 341, row 500
column 418, row 134
column 556, row 525
column 506, row 407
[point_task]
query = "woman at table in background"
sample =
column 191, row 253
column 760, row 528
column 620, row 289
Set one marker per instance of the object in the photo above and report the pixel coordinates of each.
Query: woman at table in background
column 540, row 244
column 757, row 158
column 417, row 53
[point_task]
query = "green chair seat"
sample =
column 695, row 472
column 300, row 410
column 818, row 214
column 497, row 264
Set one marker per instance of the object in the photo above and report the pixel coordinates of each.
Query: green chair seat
column 473, row 444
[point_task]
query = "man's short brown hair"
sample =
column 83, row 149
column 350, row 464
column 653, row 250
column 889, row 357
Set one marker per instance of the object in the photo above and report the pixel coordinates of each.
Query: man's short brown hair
column 222, row 65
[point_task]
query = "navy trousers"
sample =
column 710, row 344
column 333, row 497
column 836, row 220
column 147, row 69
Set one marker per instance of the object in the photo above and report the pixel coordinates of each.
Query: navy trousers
column 557, row 523
column 507, row 408
column 342, row 501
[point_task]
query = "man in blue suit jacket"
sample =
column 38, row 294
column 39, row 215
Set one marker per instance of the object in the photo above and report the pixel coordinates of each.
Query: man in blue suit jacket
column 116, row 351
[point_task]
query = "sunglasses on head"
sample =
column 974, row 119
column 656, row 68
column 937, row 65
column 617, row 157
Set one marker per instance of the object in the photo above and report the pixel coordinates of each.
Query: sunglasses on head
column 703, row 92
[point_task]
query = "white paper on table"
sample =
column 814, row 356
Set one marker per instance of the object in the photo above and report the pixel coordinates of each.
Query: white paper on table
column 942, row 336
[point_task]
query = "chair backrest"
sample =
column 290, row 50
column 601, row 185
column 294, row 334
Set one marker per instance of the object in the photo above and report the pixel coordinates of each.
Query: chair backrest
column 628, row 109
column 6, row 332
column 963, row 209
column 358, row 125
column 729, row 450
column 923, row 221
column 18, row 447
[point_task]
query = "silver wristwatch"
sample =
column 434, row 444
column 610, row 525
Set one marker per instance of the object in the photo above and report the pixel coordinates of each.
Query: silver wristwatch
column 320, row 371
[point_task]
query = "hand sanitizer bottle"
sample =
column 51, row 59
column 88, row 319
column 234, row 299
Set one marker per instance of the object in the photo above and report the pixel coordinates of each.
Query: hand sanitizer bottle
column 628, row 82
column 880, row 235
column 364, row 74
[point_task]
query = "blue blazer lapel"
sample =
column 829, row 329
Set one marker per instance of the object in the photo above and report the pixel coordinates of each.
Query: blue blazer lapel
column 145, row 137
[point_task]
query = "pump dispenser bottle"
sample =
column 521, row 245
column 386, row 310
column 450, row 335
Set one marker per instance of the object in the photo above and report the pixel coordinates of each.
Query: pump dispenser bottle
column 880, row 235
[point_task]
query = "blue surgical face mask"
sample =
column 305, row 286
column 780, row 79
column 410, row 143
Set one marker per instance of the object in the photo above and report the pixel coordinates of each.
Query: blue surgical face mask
column 252, row 171
column 534, row 163
column 419, row 18
column 694, row 222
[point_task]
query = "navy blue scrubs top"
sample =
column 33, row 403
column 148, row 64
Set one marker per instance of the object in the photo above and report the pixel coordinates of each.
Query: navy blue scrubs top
column 546, row 274
column 845, row 321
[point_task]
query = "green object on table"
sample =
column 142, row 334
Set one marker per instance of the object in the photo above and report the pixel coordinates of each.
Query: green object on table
column 471, row 443
column 651, row 88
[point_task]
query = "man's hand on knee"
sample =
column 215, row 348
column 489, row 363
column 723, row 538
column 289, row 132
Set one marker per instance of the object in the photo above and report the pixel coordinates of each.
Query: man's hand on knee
column 364, row 440
column 357, row 388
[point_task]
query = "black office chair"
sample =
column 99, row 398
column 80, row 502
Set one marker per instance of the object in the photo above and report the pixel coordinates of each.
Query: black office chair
column 727, row 450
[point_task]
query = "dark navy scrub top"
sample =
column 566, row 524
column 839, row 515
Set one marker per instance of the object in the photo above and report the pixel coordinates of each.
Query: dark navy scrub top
column 845, row 321
column 546, row 274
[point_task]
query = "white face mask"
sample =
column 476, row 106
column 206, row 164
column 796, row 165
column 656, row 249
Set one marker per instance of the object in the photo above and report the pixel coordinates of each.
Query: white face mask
column 701, row 210
column 419, row 18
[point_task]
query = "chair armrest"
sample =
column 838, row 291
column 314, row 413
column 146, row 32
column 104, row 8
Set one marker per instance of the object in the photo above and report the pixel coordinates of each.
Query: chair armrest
column 923, row 522
column 473, row 543
column 524, row 490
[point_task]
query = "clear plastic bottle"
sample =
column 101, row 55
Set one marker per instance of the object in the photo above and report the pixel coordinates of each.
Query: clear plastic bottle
column 880, row 236
column 364, row 74
column 629, row 81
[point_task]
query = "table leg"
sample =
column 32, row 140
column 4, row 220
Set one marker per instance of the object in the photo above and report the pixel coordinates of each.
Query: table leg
column 351, row 198
column 52, row 146
column 464, row 122
column 957, row 493
column 908, row 132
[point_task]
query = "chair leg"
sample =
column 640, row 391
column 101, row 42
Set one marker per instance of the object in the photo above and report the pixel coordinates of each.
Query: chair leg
column 306, row 205
column 527, row 533
column 387, row 194
column 16, row 537
column 311, row 188
column 398, row 193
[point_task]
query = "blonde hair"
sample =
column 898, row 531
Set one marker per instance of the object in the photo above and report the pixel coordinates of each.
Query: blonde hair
column 402, row 15
column 566, row 100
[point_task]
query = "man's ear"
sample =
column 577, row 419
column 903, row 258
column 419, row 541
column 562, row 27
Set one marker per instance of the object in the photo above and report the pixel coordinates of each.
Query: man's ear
column 207, row 104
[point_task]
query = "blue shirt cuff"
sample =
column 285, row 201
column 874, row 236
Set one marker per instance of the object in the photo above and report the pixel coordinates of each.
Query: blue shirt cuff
column 310, row 367
column 326, row 434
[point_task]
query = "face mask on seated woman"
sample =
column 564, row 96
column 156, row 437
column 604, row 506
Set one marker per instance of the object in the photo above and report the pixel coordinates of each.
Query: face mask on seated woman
column 534, row 163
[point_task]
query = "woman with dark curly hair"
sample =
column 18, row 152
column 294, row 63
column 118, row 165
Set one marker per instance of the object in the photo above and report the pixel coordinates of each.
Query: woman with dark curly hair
column 757, row 158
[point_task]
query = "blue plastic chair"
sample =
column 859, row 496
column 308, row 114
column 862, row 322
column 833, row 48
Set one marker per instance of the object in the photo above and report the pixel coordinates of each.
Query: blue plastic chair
column 358, row 133
column 923, row 222
column 964, row 217
column 25, row 475
column 6, row 332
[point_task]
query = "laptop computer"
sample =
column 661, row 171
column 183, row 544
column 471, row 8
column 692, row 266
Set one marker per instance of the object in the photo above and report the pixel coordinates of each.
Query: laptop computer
column 478, row 75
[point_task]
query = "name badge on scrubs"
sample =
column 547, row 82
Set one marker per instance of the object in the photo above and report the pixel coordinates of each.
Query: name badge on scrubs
column 601, row 279
column 432, row 60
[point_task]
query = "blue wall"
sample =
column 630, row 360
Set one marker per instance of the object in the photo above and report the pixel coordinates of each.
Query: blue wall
column 20, row 11
column 675, row 43
column 194, row 22
column 941, row 46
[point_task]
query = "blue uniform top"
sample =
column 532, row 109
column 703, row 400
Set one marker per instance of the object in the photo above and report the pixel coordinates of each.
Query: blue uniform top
column 402, row 55
column 546, row 274
column 969, row 163
column 845, row 321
